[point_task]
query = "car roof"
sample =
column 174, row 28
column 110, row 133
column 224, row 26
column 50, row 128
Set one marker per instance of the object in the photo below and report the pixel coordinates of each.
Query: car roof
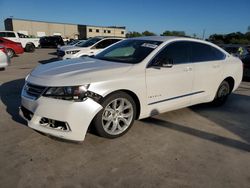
column 158, row 38
column 168, row 38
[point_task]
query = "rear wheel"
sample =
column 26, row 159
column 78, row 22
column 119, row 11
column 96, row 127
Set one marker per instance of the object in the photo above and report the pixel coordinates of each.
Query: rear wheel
column 29, row 48
column 222, row 94
column 117, row 115
column 10, row 53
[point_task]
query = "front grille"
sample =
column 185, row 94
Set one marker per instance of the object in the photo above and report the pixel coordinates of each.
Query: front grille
column 34, row 90
column 60, row 53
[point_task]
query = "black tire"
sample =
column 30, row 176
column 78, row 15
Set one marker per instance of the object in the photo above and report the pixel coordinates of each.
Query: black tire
column 98, row 121
column 10, row 53
column 29, row 48
column 222, row 94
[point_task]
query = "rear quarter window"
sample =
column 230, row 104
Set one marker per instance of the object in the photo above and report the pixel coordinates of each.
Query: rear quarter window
column 2, row 34
column 10, row 34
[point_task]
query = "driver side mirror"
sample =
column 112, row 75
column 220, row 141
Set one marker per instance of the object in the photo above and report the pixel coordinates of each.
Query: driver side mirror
column 168, row 63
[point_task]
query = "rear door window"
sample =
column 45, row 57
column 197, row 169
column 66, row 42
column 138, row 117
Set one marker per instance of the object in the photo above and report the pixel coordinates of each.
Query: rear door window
column 203, row 52
column 10, row 34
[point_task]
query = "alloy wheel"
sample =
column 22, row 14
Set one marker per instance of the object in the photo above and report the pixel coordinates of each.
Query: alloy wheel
column 117, row 116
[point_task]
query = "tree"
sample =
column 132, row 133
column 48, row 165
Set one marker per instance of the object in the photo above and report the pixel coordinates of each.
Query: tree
column 133, row 34
column 148, row 33
column 231, row 38
column 173, row 33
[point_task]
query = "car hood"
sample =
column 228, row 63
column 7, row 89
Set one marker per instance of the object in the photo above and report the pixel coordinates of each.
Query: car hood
column 77, row 72
column 67, row 48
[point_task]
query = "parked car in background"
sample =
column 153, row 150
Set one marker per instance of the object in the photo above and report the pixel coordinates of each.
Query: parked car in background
column 72, row 43
column 132, row 79
column 29, row 44
column 246, row 65
column 12, row 48
column 4, row 60
column 77, row 42
column 51, row 41
column 87, row 48
column 242, row 52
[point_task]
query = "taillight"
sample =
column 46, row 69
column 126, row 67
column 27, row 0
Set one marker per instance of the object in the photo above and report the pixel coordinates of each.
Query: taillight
column 3, row 49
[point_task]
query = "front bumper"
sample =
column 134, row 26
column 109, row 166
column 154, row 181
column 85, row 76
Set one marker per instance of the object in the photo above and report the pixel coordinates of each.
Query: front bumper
column 78, row 115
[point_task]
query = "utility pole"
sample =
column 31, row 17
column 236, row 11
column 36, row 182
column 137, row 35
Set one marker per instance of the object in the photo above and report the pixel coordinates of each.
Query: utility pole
column 203, row 34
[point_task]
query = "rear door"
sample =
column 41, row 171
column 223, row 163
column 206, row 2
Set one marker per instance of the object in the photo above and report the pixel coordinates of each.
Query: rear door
column 208, row 64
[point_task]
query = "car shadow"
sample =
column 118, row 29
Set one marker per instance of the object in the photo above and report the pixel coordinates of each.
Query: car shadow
column 53, row 53
column 10, row 94
column 48, row 60
column 232, row 116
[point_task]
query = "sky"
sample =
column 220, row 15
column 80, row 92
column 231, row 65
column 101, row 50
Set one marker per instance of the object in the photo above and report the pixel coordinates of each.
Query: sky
column 191, row 16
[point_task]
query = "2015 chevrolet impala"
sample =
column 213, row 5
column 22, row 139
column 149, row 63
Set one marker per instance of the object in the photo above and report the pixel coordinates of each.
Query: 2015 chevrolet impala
column 133, row 79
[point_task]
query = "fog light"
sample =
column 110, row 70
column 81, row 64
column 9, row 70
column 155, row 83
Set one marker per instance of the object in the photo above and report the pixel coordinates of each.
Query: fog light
column 54, row 124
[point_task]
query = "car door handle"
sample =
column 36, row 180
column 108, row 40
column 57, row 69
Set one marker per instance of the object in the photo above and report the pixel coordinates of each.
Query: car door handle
column 216, row 66
column 187, row 69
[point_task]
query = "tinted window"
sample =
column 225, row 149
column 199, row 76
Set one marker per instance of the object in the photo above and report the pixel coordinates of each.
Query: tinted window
column 177, row 52
column 106, row 43
column 128, row 51
column 22, row 35
column 2, row 34
column 203, row 52
column 8, row 34
column 89, row 42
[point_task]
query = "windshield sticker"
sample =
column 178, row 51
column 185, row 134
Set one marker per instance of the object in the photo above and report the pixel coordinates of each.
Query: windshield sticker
column 148, row 45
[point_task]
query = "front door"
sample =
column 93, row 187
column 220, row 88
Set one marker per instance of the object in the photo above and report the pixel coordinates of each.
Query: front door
column 169, row 78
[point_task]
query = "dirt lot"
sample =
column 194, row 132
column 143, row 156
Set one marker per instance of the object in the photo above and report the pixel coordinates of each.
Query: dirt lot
column 200, row 146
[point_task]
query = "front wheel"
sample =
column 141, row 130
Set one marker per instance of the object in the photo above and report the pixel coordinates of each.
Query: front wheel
column 222, row 94
column 117, row 115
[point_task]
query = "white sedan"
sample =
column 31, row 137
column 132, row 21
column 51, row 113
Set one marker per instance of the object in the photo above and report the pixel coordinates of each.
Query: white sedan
column 87, row 48
column 4, row 60
column 133, row 79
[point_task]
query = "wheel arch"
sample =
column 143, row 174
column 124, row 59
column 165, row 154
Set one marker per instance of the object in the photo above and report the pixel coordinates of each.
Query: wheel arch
column 30, row 43
column 231, row 82
column 11, row 49
column 133, row 95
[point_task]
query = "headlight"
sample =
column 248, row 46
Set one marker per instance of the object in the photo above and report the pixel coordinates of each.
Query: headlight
column 72, row 52
column 71, row 93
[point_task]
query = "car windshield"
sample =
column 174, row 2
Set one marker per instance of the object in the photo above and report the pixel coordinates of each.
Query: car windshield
column 128, row 51
column 73, row 42
column 89, row 42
